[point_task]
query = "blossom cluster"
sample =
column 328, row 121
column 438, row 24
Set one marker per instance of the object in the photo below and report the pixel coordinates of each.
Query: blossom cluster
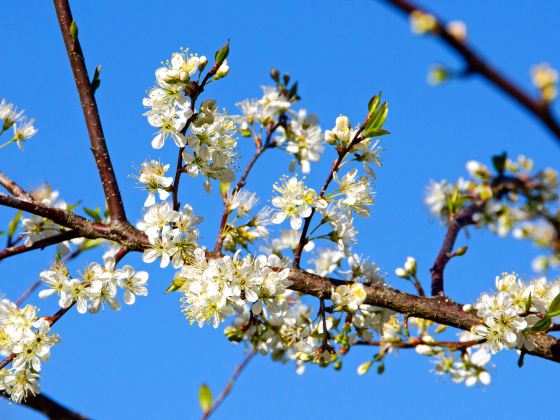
column 216, row 288
column 517, row 199
column 23, row 128
column 510, row 315
column 297, row 132
column 172, row 234
column 244, row 230
column 97, row 285
column 208, row 150
column 27, row 337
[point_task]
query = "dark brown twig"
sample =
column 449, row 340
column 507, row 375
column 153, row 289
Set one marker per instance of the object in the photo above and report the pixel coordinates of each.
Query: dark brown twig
column 456, row 223
column 243, row 180
column 91, row 113
column 335, row 166
column 477, row 65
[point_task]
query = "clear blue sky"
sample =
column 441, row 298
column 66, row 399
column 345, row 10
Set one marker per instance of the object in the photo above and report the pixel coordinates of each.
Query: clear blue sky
column 146, row 361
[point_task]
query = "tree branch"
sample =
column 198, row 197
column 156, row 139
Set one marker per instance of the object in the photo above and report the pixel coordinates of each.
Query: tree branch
column 243, row 180
column 91, row 113
column 225, row 392
column 40, row 244
column 477, row 65
column 14, row 188
column 49, row 407
column 124, row 234
column 445, row 254
column 439, row 309
column 415, row 342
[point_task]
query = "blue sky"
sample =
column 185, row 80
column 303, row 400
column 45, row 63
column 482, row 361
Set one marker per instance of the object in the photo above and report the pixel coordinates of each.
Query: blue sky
column 146, row 361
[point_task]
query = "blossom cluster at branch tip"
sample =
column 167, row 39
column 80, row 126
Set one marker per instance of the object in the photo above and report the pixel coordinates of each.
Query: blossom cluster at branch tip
column 511, row 314
column 25, row 335
column 514, row 199
column 97, row 285
column 23, row 128
column 295, row 202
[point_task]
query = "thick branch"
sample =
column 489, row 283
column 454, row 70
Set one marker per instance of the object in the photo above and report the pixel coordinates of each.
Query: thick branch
column 123, row 234
column 476, row 64
column 91, row 113
column 49, row 408
column 438, row 309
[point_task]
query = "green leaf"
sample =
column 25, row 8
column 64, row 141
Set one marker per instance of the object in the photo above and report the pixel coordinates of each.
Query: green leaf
column 205, row 397
column 14, row 223
column 96, row 81
column 377, row 119
column 554, row 308
column 542, row 325
column 91, row 243
column 373, row 103
column 93, row 213
column 528, row 303
column 222, row 54
column 499, row 162
column 375, row 132
column 74, row 30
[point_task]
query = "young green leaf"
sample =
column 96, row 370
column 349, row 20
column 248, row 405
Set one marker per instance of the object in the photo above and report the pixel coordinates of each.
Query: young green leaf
column 93, row 213
column 528, row 303
column 373, row 103
column 74, row 30
column 96, row 81
column 222, row 54
column 554, row 308
column 205, row 398
column 541, row 325
column 14, row 224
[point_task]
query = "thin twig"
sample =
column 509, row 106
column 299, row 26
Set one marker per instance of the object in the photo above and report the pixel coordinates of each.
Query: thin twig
column 243, row 180
column 226, row 391
column 477, row 65
column 91, row 113
column 456, row 223
column 197, row 91
column 334, row 168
